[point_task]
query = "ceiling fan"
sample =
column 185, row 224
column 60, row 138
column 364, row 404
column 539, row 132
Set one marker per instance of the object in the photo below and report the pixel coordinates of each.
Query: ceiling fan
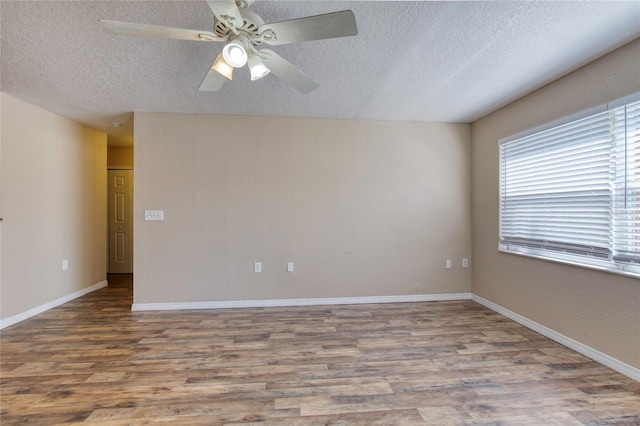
column 244, row 31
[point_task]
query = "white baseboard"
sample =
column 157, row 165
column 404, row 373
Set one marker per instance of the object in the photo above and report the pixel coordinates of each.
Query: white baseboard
column 42, row 308
column 300, row 302
column 581, row 348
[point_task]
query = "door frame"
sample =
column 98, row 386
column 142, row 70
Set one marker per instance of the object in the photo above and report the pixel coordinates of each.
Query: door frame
column 108, row 260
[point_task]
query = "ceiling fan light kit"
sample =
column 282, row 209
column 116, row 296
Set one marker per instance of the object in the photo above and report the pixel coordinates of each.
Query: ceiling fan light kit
column 234, row 54
column 244, row 30
column 257, row 67
column 222, row 67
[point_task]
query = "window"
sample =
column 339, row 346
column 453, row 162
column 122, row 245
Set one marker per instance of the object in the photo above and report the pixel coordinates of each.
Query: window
column 570, row 192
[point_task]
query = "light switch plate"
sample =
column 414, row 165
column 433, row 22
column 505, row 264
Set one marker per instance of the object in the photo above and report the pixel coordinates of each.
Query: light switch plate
column 289, row 266
column 154, row 215
column 257, row 267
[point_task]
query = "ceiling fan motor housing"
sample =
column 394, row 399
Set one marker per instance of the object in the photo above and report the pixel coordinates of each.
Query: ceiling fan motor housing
column 249, row 28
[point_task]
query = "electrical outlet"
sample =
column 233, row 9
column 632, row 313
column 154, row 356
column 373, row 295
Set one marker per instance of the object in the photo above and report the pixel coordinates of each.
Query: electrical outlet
column 154, row 215
column 257, row 267
column 465, row 263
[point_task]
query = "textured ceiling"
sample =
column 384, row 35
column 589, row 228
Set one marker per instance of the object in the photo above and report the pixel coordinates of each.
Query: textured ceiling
column 416, row 61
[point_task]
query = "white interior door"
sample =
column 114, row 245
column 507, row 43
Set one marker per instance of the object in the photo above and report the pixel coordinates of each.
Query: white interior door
column 120, row 221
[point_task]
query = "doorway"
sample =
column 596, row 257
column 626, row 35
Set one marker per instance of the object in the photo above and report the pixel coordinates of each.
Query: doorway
column 120, row 221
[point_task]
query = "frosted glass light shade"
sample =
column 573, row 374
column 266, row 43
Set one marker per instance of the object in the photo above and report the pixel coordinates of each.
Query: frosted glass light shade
column 223, row 67
column 234, row 54
column 257, row 68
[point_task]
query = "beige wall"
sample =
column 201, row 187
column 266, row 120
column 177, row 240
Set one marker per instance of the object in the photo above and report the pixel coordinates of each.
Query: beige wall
column 599, row 309
column 363, row 208
column 119, row 157
column 53, row 174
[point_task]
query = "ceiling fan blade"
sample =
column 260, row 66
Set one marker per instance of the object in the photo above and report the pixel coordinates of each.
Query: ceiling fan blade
column 226, row 8
column 318, row 27
column 129, row 28
column 288, row 73
column 212, row 82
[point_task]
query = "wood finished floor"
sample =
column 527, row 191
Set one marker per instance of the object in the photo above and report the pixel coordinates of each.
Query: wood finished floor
column 443, row 363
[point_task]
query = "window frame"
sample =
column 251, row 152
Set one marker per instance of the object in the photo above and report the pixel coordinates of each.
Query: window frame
column 608, row 265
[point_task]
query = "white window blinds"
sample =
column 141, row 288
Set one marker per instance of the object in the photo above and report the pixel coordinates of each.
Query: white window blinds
column 572, row 192
column 626, row 208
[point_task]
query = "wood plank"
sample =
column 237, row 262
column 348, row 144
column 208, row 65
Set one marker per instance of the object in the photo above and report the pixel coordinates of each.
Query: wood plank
column 94, row 361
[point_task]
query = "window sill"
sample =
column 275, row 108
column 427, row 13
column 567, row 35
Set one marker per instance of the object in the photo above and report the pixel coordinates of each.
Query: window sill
column 598, row 265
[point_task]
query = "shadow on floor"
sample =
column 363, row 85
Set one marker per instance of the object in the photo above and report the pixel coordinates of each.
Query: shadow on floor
column 120, row 280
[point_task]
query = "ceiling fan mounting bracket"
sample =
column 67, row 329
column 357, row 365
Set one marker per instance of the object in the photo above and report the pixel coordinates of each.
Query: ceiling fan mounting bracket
column 207, row 37
column 230, row 23
column 267, row 35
